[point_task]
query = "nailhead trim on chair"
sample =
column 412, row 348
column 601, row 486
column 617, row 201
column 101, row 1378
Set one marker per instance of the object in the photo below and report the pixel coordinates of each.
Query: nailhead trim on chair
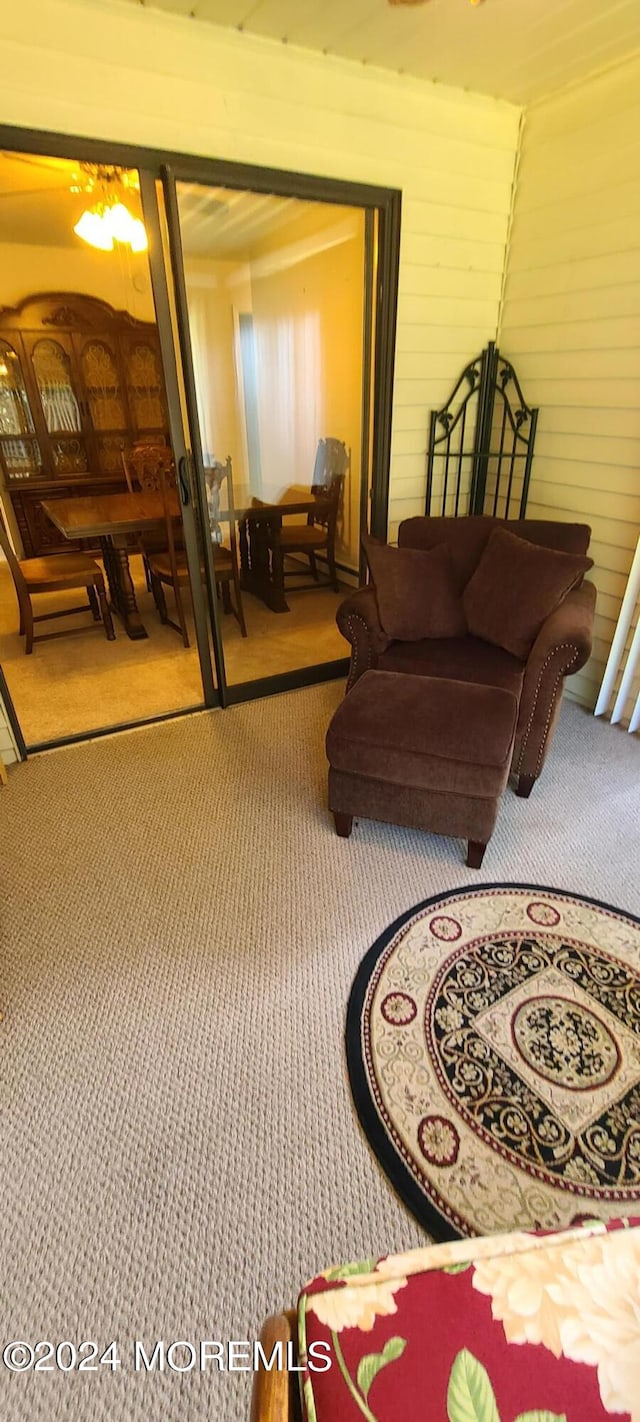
column 353, row 670
column 564, row 671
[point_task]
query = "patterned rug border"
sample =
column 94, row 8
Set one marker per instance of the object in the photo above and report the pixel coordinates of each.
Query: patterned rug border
column 386, row 1158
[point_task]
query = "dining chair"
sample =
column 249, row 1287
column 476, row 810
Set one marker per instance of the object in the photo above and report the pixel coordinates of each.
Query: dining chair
column 142, row 463
column 55, row 573
column 169, row 568
column 225, row 558
column 318, row 535
column 167, row 564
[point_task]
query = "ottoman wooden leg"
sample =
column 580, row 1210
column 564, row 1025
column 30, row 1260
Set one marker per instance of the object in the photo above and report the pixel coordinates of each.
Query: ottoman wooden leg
column 475, row 853
column 343, row 823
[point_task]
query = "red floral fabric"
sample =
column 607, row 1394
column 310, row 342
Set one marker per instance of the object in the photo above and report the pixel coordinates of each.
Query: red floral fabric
column 511, row 1328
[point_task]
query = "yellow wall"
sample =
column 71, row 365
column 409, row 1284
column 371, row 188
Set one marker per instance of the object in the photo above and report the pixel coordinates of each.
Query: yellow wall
column 308, row 318
column 121, row 279
column 214, row 288
column 571, row 323
column 129, row 73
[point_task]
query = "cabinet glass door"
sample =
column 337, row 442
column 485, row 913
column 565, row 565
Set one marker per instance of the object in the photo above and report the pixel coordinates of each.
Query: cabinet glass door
column 106, row 401
column 145, row 386
column 51, row 362
column 19, row 449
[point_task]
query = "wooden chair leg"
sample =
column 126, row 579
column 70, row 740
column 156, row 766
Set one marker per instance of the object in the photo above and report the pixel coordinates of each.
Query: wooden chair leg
column 27, row 617
column 314, row 566
column 333, row 576
column 180, row 611
column 475, row 853
column 239, row 610
column 104, row 610
column 525, row 786
column 226, row 596
column 93, row 604
column 343, row 824
column 24, row 608
column 159, row 598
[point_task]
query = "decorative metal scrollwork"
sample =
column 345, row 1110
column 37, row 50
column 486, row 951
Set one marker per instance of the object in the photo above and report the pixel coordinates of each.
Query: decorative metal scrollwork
column 481, row 443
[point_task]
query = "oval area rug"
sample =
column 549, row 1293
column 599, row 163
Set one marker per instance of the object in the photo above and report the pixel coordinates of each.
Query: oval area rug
column 493, row 1047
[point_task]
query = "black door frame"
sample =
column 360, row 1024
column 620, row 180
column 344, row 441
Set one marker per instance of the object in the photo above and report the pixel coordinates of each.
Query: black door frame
column 385, row 201
column 192, row 433
column 203, row 607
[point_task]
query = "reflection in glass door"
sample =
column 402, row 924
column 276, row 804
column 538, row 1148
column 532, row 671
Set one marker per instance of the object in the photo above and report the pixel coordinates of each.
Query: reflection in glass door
column 274, row 303
column 84, row 438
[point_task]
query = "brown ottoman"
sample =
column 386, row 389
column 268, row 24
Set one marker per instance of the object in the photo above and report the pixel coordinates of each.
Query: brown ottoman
column 422, row 751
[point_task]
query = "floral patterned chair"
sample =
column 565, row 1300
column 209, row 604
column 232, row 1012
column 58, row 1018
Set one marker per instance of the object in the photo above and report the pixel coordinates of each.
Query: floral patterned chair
column 510, row 1328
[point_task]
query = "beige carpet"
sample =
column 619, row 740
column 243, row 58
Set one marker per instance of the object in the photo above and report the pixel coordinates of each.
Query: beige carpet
column 81, row 682
column 180, row 931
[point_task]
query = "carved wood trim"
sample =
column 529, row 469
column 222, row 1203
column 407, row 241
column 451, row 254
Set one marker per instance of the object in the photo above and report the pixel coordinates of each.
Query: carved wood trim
column 68, row 309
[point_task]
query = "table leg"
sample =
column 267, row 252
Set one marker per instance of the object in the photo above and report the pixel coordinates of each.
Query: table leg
column 115, row 553
column 264, row 575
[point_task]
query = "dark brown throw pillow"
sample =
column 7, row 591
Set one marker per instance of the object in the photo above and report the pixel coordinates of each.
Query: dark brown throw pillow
column 416, row 591
column 514, row 589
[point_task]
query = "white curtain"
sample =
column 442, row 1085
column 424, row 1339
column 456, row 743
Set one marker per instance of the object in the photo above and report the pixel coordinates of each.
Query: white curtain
column 622, row 672
column 290, row 393
column 200, row 347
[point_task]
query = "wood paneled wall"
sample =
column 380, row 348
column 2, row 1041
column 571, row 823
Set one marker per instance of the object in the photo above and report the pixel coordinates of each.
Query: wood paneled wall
column 142, row 76
column 571, row 322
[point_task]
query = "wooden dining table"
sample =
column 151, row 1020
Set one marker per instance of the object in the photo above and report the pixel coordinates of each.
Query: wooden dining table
column 259, row 525
column 115, row 519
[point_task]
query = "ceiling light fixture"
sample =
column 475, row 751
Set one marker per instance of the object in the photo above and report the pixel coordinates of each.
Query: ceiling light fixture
column 109, row 221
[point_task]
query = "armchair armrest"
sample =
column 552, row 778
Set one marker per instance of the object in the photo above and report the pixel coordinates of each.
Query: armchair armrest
column 562, row 647
column 358, row 620
column 275, row 1391
column 568, row 629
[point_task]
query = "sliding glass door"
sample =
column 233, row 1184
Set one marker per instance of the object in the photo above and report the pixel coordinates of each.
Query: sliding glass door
column 247, row 356
column 103, row 620
column 273, row 300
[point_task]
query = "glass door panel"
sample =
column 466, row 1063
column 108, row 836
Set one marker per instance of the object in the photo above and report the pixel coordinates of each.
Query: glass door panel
column 19, row 449
column 81, row 384
column 145, row 386
column 106, row 408
column 52, row 369
column 274, row 316
column 102, row 384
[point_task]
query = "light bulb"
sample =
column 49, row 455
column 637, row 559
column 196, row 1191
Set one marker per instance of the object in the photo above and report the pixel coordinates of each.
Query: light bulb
column 138, row 237
column 101, row 226
column 93, row 229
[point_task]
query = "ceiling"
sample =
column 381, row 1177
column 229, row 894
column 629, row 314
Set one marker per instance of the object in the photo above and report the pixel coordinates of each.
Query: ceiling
column 240, row 226
column 37, row 208
column 513, row 49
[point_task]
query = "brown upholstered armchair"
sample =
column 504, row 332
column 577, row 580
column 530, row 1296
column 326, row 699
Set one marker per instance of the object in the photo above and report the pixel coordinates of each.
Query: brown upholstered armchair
column 562, row 646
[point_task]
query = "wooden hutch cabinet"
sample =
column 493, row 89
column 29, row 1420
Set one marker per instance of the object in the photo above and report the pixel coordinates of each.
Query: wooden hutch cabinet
column 79, row 382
